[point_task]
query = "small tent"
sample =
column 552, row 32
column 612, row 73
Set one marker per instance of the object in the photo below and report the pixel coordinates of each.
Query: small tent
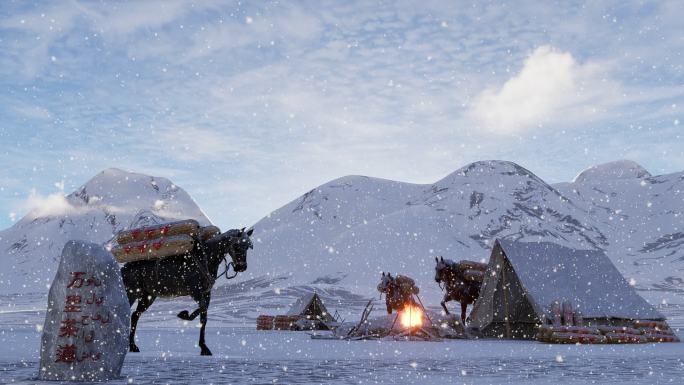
column 311, row 306
column 523, row 279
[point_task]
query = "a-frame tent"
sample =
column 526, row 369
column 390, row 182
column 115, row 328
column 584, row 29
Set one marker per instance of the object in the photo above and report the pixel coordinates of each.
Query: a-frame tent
column 523, row 279
column 311, row 306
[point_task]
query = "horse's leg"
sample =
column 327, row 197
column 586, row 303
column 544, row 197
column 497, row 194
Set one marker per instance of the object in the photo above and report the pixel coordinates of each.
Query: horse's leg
column 444, row 301
column 203, row 307
column 144, row 303
column 464, row 306
column 184, row 315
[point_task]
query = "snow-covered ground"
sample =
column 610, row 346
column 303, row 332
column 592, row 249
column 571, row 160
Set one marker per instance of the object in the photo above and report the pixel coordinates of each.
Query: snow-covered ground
column 243, row 355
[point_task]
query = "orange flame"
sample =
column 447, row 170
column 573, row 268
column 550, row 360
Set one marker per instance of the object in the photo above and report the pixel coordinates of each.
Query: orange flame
column 411, row 316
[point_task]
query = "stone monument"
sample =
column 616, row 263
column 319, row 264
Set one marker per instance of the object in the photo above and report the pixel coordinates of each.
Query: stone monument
column 85, row 336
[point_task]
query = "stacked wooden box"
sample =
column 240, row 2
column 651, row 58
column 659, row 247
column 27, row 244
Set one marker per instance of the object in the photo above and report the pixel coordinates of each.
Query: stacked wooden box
column 279, row 322
column 265, row 322
column 641, row 331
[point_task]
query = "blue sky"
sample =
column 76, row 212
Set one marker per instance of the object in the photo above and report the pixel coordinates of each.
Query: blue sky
column 248, row 105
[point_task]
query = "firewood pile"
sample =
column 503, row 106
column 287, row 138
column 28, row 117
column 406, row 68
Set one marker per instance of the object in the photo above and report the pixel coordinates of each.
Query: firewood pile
column 288, row 322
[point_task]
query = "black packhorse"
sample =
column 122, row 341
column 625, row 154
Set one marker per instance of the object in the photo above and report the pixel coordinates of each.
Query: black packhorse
column 457, row 287
column 192, row 274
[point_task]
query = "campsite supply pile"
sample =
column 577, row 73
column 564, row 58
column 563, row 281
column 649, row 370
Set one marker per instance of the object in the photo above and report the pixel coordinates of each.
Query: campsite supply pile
column 307, row 313
column 569, row 328
column 159, row 241
column 607, row 334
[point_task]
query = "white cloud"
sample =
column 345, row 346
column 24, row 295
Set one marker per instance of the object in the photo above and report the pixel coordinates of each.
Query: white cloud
column 51, row 205
column 550, row 85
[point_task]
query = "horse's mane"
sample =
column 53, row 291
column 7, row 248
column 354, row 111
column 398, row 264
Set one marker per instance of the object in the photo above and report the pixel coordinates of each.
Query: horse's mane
column 448, row 263
column 225, row 236
column 231, row 233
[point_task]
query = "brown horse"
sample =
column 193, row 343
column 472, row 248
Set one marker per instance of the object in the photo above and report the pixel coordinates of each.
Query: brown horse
column 457, row 287
column 398, row 291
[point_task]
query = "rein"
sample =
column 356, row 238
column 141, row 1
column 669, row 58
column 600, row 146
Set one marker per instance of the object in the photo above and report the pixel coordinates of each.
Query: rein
column 225, row 271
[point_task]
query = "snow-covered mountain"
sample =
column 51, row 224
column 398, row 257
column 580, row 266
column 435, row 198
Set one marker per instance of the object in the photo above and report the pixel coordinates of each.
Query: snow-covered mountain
column 349, row 230
column 338, row 237
column 111, row 201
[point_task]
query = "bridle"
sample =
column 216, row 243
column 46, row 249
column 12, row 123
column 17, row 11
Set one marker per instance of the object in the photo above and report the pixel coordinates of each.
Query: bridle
column 387, row 288
column 447, row 276
column 228, row 265
column 205, row 270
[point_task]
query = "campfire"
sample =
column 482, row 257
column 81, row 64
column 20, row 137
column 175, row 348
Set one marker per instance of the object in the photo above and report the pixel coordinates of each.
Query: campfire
column 411, row 317
column 412, row 323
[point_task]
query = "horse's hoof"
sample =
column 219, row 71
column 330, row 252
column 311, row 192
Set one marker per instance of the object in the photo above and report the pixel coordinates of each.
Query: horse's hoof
column 184, row 315
column 134, row 349
column 205, row 351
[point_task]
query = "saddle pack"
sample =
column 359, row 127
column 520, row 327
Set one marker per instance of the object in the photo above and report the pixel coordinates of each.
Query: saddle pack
column 160, row 241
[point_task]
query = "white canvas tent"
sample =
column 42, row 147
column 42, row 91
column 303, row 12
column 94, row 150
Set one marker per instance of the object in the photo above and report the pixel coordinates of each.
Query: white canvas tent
column 311, row 306
column 524, row 278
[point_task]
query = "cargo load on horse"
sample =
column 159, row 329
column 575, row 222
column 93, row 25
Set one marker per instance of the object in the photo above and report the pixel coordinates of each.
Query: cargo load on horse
column 399, row 291
column 159, row 241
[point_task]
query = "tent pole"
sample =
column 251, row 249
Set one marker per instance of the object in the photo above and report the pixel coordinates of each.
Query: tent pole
column 506, row 313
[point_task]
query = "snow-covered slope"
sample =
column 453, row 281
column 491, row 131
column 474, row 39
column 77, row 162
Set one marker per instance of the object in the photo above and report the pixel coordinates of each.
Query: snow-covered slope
column 347, row 231
column 111, row 201
column 642, row 217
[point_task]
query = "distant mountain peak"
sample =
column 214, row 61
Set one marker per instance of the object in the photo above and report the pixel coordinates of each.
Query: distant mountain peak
column 486, row 169
column 619, row 169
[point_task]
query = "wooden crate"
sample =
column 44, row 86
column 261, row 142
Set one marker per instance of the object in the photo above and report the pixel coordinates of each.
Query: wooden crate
column 285, row 322
column 265, row 322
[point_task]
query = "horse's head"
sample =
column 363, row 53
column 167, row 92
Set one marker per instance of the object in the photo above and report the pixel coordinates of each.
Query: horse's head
column 236, row 243
column 386, row 281
column 441, row 270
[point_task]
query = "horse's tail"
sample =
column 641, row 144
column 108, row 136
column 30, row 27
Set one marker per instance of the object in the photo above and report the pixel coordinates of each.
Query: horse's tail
column 184, row 315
